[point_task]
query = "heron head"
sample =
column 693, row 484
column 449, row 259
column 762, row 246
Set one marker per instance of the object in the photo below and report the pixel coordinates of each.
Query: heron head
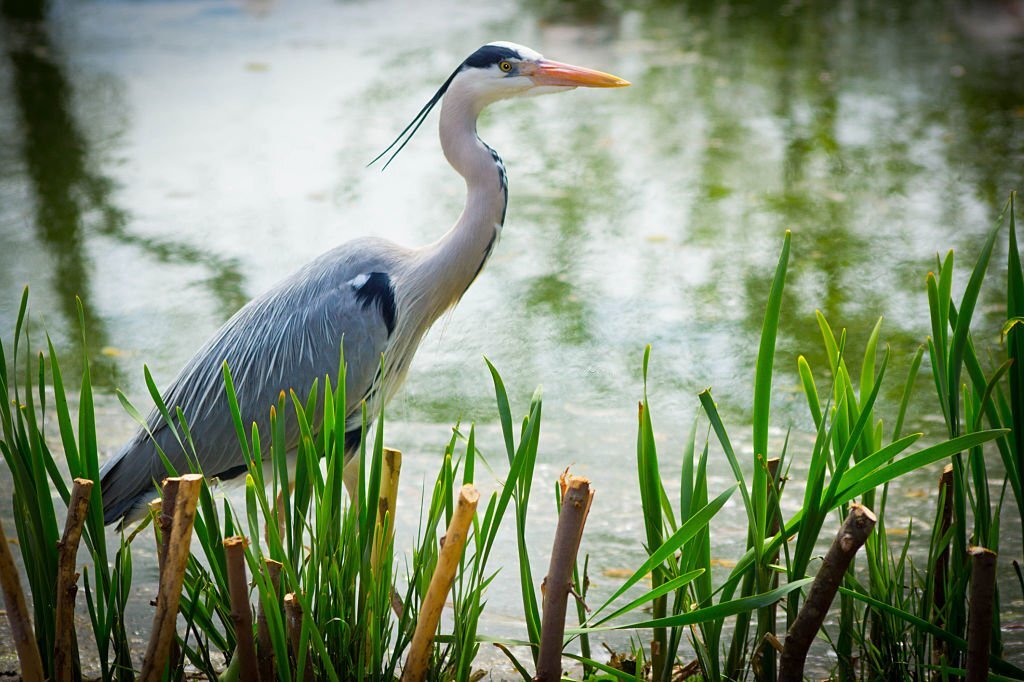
column 499, row 71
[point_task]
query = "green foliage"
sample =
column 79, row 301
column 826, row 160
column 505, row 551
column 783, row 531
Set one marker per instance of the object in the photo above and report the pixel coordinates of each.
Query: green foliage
column 34, row 469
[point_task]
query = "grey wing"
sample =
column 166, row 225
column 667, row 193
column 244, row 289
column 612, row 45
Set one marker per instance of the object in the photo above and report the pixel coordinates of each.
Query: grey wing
column 281, row 341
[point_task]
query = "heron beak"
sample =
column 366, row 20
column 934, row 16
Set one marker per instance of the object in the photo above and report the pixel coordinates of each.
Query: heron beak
column 547, row 72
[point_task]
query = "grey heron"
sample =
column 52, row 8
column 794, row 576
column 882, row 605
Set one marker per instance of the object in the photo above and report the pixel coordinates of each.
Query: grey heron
column 380, row 296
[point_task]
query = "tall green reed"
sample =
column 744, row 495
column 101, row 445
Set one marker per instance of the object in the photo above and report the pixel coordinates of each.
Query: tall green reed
column 34, row 469
column 850, row 459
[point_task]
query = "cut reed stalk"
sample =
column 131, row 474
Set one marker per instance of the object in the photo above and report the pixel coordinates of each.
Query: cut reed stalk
column 156, row 506
column 941, row 573
column 178, row 541
column 241, row 612
column 164, row 521
column 854, row 532
column 17, row 615
column 391, row 468
column 576, row 500
column 418, row 660
column 65, row 643
column 979, row 623
column 764, row 652
column 293, row 615
column 264, row 646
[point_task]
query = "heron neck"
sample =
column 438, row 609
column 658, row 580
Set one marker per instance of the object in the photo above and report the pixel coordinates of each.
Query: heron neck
column 457, row 258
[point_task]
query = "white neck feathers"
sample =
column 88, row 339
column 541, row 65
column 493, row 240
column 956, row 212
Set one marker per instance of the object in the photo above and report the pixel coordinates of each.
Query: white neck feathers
column 451, row 264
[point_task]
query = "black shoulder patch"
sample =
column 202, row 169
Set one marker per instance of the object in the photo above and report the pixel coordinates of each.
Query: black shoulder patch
column 489, row 55
column 378, row 289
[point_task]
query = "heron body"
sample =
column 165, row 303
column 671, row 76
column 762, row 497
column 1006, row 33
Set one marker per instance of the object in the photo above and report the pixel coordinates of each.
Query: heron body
column 377, row 297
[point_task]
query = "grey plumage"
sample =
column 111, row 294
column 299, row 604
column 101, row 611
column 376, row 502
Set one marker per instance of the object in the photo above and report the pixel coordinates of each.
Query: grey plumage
column 282, row 340
column 379, row 297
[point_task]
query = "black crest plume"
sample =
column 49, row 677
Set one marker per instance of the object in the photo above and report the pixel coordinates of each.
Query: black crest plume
column 410, row 130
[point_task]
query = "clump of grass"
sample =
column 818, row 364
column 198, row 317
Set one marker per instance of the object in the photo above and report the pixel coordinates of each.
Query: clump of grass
column 850, row 459
column 36, row 474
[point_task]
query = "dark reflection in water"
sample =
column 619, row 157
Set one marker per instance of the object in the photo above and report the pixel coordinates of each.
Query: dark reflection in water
column 73, row 199
column 55, row 158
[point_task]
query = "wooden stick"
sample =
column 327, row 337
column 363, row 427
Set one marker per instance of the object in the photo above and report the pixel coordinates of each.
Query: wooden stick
column 161, row 530
column 177, row 541
column 65, row 643
column 241, row 611
column 264, row 647
column 17, row 615
column 763, row 662
column 156, row 509
column 454, row 540
column 979, row 624
column 940, row 652
column 293, row 614
column 853, row 533
column 391, row 468
column 166, row 518
column 576, row 500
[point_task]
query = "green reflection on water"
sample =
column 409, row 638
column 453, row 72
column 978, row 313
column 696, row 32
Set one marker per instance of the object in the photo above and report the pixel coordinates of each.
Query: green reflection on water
column 72, row 197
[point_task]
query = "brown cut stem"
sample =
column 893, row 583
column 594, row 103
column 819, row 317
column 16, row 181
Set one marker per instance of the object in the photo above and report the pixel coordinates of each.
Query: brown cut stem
column 293, row 615
column 177, row 543
column 940, row 576
column 576, row 499
column 264, row 647
column 65, row 643
column 17, row 615
column 454, row 540
column 164, row 522
column 391, row 468
column 764, row 656
column 166, row 518
column 241, row 612
column 852, row 535
column 979, row 623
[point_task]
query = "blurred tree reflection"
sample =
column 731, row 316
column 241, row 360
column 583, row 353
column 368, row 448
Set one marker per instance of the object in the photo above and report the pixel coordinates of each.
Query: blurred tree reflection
column 72, row 197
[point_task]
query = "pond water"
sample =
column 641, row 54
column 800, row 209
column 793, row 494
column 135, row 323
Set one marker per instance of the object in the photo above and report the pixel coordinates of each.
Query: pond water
column 167, row 161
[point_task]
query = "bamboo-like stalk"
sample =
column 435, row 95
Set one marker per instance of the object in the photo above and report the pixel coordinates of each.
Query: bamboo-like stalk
column 454, row 540
column 161, row 531
column 65, row 643
column 941, row 572
column 764, row 652
column 979, row 623
column 17, row 615
column 177, row 540
column 264, row 647
column 156, row 508
column 293, row 616
column 576, row 500
column 166, row 517
column 391, row 468
column 853, row 533
column 241, row 611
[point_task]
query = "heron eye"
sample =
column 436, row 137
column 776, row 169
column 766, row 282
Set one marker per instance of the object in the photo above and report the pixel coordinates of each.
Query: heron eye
column 505, row 66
